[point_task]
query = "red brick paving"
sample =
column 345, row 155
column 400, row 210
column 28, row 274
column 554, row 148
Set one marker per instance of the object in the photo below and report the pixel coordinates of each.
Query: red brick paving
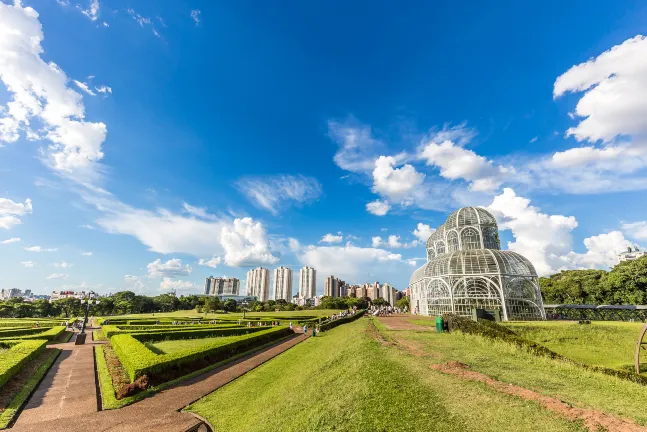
column 159, row 413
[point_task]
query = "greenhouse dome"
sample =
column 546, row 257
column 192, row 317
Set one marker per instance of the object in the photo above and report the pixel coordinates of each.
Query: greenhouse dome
column 466, row 269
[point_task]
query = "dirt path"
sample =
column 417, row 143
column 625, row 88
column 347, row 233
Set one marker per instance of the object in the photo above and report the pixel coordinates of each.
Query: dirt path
column 402, row 322
column 161, row 412
column 592, row 419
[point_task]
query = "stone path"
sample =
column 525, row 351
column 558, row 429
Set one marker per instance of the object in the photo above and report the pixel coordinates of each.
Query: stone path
column 67, row 390
column 160, row 412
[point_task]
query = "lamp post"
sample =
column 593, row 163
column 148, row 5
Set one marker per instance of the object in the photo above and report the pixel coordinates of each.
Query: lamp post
column 86, row 302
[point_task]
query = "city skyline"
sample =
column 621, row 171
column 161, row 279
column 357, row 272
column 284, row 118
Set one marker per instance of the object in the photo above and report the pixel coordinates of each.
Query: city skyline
column 148, row 148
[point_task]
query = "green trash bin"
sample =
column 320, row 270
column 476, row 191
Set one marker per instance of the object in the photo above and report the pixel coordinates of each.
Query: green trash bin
column 439, row 323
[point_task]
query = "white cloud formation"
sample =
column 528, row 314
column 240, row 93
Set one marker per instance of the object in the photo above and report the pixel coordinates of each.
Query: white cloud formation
column 28, row 264
column 63, row 264
column 293, row 244
column 213, row 262
column 378, row 208
column 198, row 212
column 83, row 86
column 636, row 230
column 246, row 244
column 57, row 276
column 276, row 193
column 39, row 249
column 195, row 16
column 92, row 10
column 396, row 184
column 11, row 240
column 423, row 231
column 393, row 241
column 104, row 89
column 171, row 268
column 601, row 251
column 171, row 284
column 10, row 212
column 136, row 282
column 331, row 238
column 39, row 91
column 143, row 21
column 86, row 254
column 358, row 150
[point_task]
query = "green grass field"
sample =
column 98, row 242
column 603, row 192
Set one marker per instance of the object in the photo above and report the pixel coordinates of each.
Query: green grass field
column 609, row 344
column 346, row 380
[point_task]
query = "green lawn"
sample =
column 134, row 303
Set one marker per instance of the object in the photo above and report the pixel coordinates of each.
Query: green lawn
column 609, row 344
column 345, row 380
column 171, row 346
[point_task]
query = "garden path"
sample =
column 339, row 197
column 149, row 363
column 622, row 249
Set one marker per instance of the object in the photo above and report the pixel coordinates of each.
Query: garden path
column 160, row 412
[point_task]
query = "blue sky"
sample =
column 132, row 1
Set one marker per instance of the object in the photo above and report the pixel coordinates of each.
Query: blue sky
column 176, row 140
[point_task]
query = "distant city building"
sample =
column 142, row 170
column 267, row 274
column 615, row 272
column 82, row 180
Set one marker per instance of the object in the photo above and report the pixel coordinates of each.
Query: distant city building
column 307, row 282
column 351, row 290
column 66, row 294
column 341, row 288
column 258, row 284
column 7, row 294
column 330, row 286
column 388, row 294
column 630, row 255
column 283, row 284
column 373, row 290
column 221, row 286
column 360, row 291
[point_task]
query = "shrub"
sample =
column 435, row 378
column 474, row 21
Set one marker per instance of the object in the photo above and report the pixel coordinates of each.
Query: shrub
column 46, row 334
column 19, row 353
column 138, row 360
column 327, row 325
column 16, row 333
column 194, row 334
column 111, row 330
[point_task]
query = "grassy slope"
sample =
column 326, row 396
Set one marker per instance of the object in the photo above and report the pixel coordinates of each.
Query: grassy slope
column 509, row 364
column 609, row 344
column 344, row 380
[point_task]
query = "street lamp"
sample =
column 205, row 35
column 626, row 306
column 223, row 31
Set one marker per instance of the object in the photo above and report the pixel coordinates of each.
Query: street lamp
column 86, row 302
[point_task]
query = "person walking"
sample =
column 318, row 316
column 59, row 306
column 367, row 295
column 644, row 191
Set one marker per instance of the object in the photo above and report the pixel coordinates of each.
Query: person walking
column 290, row 325
column 305, row 329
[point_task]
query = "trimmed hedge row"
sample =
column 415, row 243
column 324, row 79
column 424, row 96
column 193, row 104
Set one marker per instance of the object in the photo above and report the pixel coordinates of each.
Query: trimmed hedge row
column 195, row 334
column 492, row 330
column 111, row 330
column 332, row 324
column 19, row 353
column 17, row 333
column 138, row 360
column 132, row 328
column 21, row 323
column 46, row 334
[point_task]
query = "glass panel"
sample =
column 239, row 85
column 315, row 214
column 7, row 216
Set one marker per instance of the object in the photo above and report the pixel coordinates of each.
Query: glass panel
column 470, row 239
column 452, row 241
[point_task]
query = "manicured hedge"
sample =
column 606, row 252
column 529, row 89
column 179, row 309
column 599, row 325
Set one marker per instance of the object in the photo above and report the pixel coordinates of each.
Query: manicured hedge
column 138, row 360
column 111, row 330
column 17, row 333
column 19, row 353
column 195, row 334
column 46, row 334
column 327, row 325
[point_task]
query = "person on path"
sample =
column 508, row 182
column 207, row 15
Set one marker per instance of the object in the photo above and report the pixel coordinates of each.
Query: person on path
column 290, row 325
column 313, row 332
column 305, row 329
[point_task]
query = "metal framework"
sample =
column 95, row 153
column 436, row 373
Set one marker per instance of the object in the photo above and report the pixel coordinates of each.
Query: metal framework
column 466, row 269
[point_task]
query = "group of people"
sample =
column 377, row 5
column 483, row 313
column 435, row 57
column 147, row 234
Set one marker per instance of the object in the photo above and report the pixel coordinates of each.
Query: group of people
column 385, row 310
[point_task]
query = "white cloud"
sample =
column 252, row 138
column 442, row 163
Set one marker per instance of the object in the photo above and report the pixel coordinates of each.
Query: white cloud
column 636, row 230
column 213, row 262
column 39, row 90
column 393, row 241
column 411, row 262
column 456, row 162
column 83, row 86
column 90, row 227
column 143, row 21
column 104, row 89
column 245, row 244
column 57, row 276
column 601, row 251
column 331, row 238
column 423, row 231
column 378, row 208
column 170, row 268
column 39, row 249
column 86, row 254
column 293, row 244
column 198, row 212
column 533, row 140
column 92, row 11
column 11, row 210
column 393, row 183
column 195, row 16
column 136, row 282
column 28, row 263
column 279, row 192
column 358, row 150
column 63, row 264
column 11, row 240
column 170, row 284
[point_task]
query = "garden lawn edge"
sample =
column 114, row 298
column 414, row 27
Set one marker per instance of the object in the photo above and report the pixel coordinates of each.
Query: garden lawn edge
column 10, row 414
column 109, row 401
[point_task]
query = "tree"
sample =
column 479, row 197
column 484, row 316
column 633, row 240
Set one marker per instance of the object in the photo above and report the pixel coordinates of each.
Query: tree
column 230, row 305
column 212, row 304
column 70, row 307
column 403, row 302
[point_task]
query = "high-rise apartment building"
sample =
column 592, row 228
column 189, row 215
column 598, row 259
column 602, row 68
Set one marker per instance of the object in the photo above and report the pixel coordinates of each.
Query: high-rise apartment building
column 222, row 286
column 258, row 283
column 331, row 286
column 360, row 292
column 388, row 294
column 373, row 290
column 308, row 283
column 283, row 284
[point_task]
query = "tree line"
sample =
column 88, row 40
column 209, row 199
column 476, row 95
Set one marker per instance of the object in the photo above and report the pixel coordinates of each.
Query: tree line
column 626, row 283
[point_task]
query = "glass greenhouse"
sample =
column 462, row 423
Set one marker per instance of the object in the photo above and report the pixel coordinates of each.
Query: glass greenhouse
column 467, row 269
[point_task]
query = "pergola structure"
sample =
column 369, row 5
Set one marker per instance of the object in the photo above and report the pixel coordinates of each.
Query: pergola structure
column 466, row 269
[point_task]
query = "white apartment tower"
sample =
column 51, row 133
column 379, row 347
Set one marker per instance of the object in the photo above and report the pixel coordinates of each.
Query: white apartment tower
column 331, row 286
column 308, row 284
column 388, row 294
column 258, row 283
column 283, row 284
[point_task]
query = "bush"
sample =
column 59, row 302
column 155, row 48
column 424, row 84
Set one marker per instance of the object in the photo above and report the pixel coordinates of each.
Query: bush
column 111, row 330
column 46, row 334
column 194, row 334
column 17, row 354
column 138, row 360
column 15, row 333
column 327, row 325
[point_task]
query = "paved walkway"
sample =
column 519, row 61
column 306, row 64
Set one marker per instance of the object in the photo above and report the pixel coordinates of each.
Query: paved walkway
column 67, row 390
column 160, row 412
